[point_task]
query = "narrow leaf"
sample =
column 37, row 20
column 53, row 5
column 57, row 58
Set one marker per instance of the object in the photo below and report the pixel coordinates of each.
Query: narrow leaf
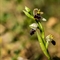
column 28, row 15
column 42, row 32
column 47, row 44
column 27, row 9
column 43, row 46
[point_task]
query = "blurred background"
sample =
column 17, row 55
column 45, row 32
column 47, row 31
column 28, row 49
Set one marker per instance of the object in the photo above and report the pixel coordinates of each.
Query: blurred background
column 17, row 43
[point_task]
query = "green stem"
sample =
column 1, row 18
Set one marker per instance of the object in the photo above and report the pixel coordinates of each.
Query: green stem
column 42, row 32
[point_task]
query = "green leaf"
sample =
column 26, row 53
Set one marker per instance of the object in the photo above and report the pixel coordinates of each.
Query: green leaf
column 28, row 15
column 47, row 44
column 42, row 45
column 27, row 9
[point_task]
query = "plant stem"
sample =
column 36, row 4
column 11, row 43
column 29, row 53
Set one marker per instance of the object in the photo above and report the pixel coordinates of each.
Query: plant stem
column 42, row 32
column 42, row 41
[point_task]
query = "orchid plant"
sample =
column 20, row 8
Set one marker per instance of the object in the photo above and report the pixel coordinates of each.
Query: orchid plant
column 37, row 17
